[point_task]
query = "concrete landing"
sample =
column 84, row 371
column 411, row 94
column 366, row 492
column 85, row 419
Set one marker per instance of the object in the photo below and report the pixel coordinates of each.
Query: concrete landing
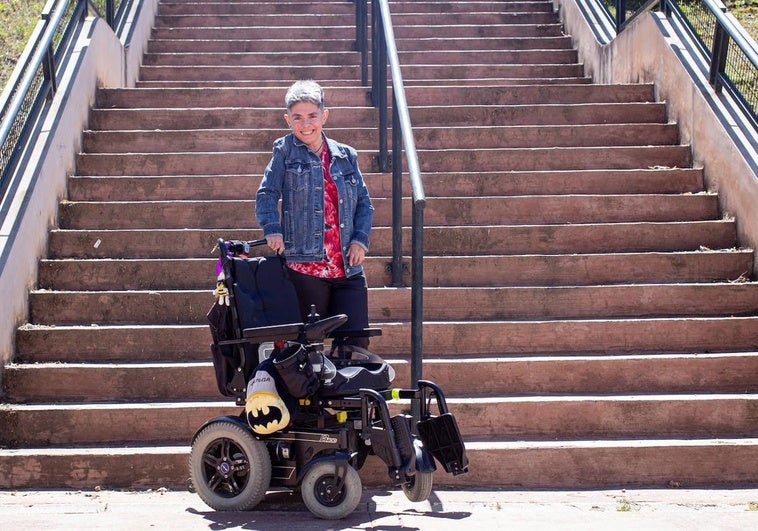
column 445, row 510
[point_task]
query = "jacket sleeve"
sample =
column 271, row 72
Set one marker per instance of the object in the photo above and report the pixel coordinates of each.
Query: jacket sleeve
column 269, row 192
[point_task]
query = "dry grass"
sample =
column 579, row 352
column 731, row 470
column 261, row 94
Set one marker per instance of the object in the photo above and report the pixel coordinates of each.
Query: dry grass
column 746, row 11
column 17, row 20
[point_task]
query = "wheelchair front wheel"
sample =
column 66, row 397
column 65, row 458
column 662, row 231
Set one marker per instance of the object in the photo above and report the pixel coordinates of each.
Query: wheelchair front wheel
column 230, row 469
column 331, row 489
column 419, row 487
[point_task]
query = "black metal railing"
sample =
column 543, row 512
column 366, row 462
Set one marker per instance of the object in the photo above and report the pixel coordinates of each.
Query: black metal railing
column 34, row 81
column 731, row 54
column 112, row 11
column 384, row 50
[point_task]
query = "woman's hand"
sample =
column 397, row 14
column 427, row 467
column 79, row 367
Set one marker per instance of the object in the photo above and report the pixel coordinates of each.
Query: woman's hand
column 275, row 242
column 355, row 255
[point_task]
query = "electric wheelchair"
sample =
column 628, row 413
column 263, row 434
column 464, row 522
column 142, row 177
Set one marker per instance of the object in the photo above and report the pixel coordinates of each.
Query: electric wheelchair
column 311, row 417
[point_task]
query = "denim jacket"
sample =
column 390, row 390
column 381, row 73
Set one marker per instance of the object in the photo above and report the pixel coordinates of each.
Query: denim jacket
column 295, row 176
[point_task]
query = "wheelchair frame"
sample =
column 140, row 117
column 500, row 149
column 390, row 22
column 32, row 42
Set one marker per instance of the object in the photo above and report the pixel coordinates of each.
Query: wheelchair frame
column 330, row 439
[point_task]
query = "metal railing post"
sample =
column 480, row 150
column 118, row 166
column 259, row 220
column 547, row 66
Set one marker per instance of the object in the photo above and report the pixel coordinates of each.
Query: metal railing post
column 397, row 197
column 417, row 293
column 620, row 14
column 361, row 37
column 380, row 64
column 110, row 13
column 374, row 54
column 48, row 64
column 718, row 56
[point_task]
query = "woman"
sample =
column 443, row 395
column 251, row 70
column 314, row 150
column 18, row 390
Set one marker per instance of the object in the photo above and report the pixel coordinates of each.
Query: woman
column 326, row 212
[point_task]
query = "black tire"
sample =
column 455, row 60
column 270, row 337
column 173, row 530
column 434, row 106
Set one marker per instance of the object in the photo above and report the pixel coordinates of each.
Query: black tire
column 321, row 494
column 230, row 469
column 419, row 487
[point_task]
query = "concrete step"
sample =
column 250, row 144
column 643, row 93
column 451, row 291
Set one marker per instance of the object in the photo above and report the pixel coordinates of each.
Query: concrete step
column 587, row 269
column 452, row 241
column 203, row 163
column 531, row 464
column 446, row 271
column 226, row 118
column 345, row 96
column 239, row 8
column 157, row 343
column 248, row 83
column 250, row 73
column 192, row 273
column 246, row 97
column 508, row 377
column 434, row 57
column 189, row 45
column 442, row 42
column 297, row 8
column 257, row 58
column 418, row 31
column 530, row 418
column 488, row 159
column 329, row 21
column 421, row 116
column 173, row 45
column 464, row 184
column 540, row 114
column 440, row 304
column 367, row 138
column 516, row 210
column 411, row 73
column 561, row 158
column 468, row 58
column 210, row 140
column 445, row 8
column 494, row 95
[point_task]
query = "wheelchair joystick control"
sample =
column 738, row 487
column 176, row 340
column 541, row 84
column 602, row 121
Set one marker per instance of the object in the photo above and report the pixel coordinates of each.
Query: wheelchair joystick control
column 313, row 316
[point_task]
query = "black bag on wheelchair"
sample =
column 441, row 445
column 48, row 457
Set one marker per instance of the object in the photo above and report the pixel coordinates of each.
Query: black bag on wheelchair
column 295, row 370
column 261, row 294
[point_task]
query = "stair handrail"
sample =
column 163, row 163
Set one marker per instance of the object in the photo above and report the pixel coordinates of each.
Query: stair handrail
column 21, row 87
column 383, row 50
column 716, row 54
column 24, row 96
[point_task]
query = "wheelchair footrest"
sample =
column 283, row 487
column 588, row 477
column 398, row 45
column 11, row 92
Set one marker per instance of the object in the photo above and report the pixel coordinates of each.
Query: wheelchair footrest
column 442, row 438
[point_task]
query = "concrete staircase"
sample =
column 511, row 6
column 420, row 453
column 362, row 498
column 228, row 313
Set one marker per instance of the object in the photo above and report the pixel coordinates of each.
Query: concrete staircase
column 588, row 310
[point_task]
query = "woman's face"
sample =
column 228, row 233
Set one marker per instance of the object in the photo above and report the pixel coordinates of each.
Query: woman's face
column 307, row 120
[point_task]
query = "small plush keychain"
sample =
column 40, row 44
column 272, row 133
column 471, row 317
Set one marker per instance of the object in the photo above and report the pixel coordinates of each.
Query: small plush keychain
column 221, row 293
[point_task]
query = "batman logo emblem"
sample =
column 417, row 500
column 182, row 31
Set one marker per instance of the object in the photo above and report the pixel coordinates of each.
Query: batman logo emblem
column 266, row 413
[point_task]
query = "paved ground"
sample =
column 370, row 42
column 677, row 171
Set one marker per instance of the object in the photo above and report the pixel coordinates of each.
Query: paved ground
column 383, row 510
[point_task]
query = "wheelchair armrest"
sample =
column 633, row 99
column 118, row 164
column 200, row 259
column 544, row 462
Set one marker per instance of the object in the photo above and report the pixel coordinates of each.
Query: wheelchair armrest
column 362, row 332
column 272, row 333
column 317, row 331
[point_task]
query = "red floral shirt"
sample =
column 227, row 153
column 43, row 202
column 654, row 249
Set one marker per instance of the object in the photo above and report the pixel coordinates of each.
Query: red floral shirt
column 334, row 265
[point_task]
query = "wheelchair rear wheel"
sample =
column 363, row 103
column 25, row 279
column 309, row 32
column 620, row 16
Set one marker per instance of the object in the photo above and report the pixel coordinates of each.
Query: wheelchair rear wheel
column 331, row 489
column 229, row 467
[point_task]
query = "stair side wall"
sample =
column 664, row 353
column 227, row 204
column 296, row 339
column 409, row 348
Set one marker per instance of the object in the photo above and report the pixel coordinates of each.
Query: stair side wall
column 98, row 59
column 649, row 51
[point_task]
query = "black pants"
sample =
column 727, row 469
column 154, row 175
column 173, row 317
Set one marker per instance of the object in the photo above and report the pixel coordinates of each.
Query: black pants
column 333, row 296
